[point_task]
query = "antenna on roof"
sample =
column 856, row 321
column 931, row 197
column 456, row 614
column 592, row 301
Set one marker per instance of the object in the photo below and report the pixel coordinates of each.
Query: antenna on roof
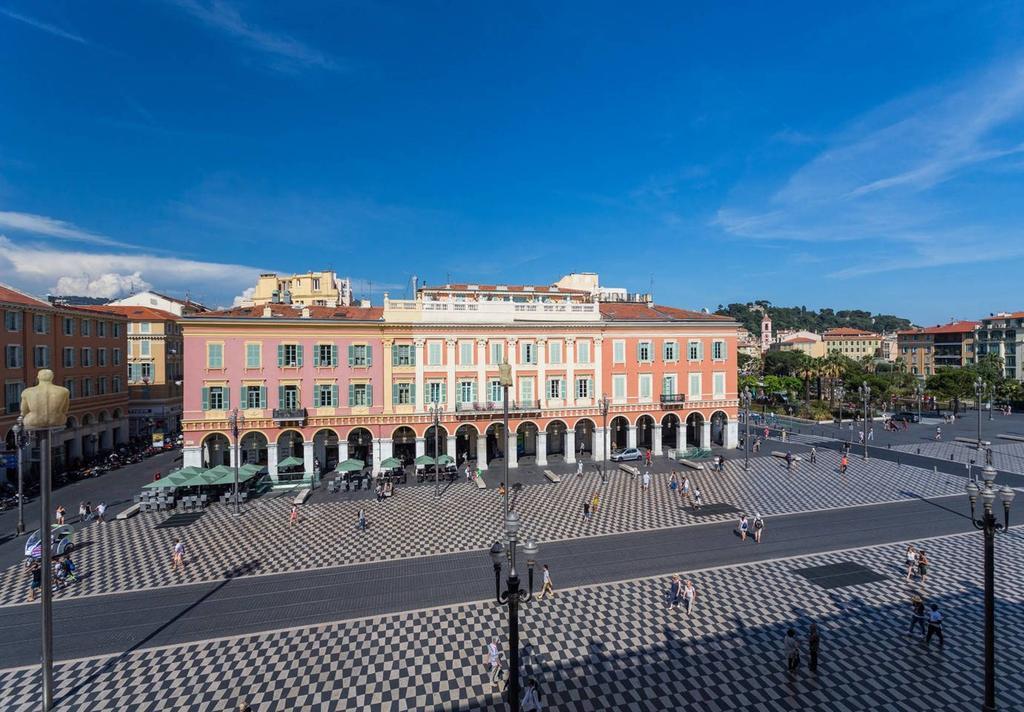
column 447, row 277
column 652, row 286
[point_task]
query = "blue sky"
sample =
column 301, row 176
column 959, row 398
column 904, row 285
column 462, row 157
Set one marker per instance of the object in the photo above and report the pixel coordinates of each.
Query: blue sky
column 866, row 158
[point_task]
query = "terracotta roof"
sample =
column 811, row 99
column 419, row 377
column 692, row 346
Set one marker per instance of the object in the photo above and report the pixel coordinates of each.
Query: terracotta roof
column 996, row 317
column 847, row 331
column 289, row 311
column 133, row 313
column 632, row 311
column 14, row 296
column 540, row 289
column 954, row 327
column 799, row 340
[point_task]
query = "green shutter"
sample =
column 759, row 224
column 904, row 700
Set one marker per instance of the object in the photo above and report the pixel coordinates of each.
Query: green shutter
column 316, row 354
column 351, row 357
column 280, row 355
column 206, row 399
column 334, row 395
column 638, row 351
column 298, row 353
column 280, row 396
column 700, row 350
column 351, row 387
column 369, row 394
column 394, row 356
column 334, row 358
column 394, row 394
column 412, row 393
column 227, row 398
column 263, row 396
column 369, row 355
column 412, row 354
column 243, row 397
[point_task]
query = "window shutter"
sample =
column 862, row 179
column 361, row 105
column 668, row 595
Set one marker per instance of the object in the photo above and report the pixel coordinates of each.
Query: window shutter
column 638, row 347
column 700, row 350
column 316, row 355
column 394, row 394
column 369, row 394
column 394, row 355
column 412, row 355
column 351, row 356
column 444, row 392
column 263, row 396
column 472, row 391
column 334, row 359
column 298, row 354
column 351, row 388
column 206, row 399
column 227, row 397
column 724, row 350
column 334, row 395
column 243, row 397
column 412, row 393
column 280, row 355
column 280, row 396
column 369, row 355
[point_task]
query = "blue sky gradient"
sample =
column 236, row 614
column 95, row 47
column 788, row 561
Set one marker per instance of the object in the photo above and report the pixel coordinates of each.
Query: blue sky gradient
column 865, row 158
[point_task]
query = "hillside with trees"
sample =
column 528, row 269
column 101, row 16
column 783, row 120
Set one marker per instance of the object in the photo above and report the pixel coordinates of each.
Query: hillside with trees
column 810, row 320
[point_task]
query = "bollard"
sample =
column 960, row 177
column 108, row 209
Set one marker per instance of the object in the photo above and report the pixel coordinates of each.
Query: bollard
column 918, row 450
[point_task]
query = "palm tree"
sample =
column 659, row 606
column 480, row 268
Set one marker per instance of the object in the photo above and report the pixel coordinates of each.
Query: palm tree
column 832, row 369
column 807, row 371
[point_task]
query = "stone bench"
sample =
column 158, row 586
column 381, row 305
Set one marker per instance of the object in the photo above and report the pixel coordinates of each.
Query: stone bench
column 130, row 512
column 552, row 477
column 634, row 471
column 972, row 441
column 1007, row 436
column 691, row 464
column 302, row 496
column 779, row 453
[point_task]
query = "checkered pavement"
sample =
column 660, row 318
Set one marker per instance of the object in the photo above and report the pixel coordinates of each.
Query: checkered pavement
column 1006, row 456
column 607, row 647
column 132, row 555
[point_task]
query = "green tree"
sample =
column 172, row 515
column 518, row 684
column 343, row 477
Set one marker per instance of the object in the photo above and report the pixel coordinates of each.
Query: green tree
column 783, row 363
column 952, row 383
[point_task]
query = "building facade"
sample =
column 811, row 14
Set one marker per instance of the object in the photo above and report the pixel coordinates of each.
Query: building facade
column 312, row 289
column 813, row 347
column 154, row 373
column 853, row 343
column 155, row 300
column 86, row 350
column 929, row 348
column 1003, row 335
column 362, row 382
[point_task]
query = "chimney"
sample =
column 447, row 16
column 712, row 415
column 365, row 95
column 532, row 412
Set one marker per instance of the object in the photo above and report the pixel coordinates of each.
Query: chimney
column 267, row 312
column 287, row 296
column 305, row 312
column 275, row 297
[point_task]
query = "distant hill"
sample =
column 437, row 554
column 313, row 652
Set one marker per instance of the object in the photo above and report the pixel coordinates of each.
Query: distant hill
column 749, row 315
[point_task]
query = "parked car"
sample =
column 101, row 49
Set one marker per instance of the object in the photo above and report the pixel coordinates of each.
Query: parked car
column 629, row 453
column 60, row 542
column 906, row 416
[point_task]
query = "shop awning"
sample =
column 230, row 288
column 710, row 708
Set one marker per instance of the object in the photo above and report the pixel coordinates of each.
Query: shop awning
column 291, row 462
column 350, row 465
column 390, row 462
column 424, row 460
column 445, row 460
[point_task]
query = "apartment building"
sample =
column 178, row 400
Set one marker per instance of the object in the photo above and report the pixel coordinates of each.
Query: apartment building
column 854, row 343
column 1002, row 334
column 926, row 349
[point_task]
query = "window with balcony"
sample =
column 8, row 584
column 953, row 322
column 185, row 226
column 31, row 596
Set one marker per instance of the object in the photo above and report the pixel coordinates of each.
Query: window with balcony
column 526, row 390
column 289, row 355
column 288, row 397
column 403, row 355
column 494, row 393
column 467, row 391
column 326, row 395
column 668, row 385
column 403, row 393
column 146, row 371
column 360, row 355
column 325, row 356
column 360, row 395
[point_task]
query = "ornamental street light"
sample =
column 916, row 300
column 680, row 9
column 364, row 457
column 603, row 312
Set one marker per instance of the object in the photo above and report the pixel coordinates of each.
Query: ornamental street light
column 979, row 389
column 234, row 421
column 505, row 381
column 988, row 524
column 435, row 410
column 604, row 437
column 512, row 596
column 745, row 400
column 20, row 443
column 840, row 394
column 991, row 397
column 865, row 394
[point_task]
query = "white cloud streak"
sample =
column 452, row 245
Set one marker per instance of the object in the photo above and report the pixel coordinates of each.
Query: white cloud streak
column 43, row 26
column 51, row 227
column 224, row 17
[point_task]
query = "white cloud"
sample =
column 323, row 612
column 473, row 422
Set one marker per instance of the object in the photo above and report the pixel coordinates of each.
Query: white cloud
column 245, row 296
column 224, row 17
column 108, row 285
column 45, row 27
column 42, row 225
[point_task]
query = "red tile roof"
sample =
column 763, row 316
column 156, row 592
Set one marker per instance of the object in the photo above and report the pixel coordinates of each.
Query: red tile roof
column 289, row 311
column 14, row 296
column 133, row 313
column 633, row 311
column 847, row 331
column 799, row 340
column 954, row 327
column 997, row 317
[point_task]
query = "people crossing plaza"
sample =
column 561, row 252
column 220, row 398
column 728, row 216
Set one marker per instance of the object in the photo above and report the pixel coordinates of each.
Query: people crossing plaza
column 934, row 626
column 178, row 556
column 758, row 528
column 689, row 596
column 744, row 527
column 647, row 480
column 547, row 588
column 494, row 656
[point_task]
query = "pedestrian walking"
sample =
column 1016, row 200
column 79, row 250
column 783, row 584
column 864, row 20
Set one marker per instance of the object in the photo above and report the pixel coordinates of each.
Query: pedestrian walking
column 531, row 697
column 579, row 469
column 911, row 559
column 934, row 626
column 689, row 596
column 59, row 514
column 698, row 501
column 675, row 591
column 918, row 616
column 813, row 644
column 789, row 461
column 647, row 480
column 648, row 457
column 35, row 579
column 178, row 556
column 860, row 436
column 922, row 566
column 88, row 512
column 293, row 517
column 814, row 456
column 791, row 645
column 871, row 434
column 938, row 432
column 744, row 527
column 766, row 432
column 81, row 512
column 673, row 483
column 101, row 509
column 586, row 510
column 362, row 519
column 844, row 462
column 494, row 656
column 595, row 501
column 686, row 488
column 758, row 528
column 547, row 588
column 71, row 569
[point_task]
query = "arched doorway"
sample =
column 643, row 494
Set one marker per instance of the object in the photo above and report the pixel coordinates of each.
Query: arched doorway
column 290, row 449
column 403, row 443
column 465, row 443
column 694, row 426
column 216, row 450
column 584, row 430
column 620, row 432
column 495, row 441
column 718, row 422
column 252, row 449
column 645, row 432
column 556, row 437
column 670, row 431
column 360, row 445
column 441, row 441
column 325, row 449
column 526, row 439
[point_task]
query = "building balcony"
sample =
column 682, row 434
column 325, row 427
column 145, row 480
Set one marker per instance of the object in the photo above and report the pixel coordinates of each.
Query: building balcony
column 673, row 399
column 289, row 415
column 492, row 408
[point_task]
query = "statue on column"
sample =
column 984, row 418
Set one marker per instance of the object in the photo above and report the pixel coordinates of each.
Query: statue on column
column 44, row 405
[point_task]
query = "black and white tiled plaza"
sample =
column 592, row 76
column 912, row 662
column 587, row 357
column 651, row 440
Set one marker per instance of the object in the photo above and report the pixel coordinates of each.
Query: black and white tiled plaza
column 133, row 554
column 608, row 647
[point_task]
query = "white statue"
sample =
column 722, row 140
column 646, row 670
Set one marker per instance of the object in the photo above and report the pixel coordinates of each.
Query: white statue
column 44, row 405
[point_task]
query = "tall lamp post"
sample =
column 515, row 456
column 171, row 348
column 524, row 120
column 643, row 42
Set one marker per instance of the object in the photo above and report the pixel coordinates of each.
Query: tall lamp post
column 979, row 389
column 435, row 410
column 745, row 400
column 991, row 397
column 919, row 389
column 512, row 596
column 20, row 442
column 234, row 421
column 988, row 524
column 604, row 438
column 505, row 381
column 840, row 394
column 865, row 394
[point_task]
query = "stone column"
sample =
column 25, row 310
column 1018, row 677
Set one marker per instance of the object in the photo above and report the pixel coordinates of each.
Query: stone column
column 570, row 446
column 597, row 444
column 191, row 456
column 421, row 446
column 272, row 461
column 451, row 449
column 656, row 440
column 630, row 436
column 481, row 452
column 342, row 450
column 705, row 435
column 383, row 450
column 307, row 456
column 421, row 395
column 598, row 359
column 449, row 383
column 569, row 354
column 542, row 447
column 511, row 451
column 731, row 434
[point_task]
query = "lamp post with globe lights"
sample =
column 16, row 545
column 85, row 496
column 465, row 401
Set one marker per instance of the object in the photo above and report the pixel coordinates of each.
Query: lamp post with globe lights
column 865, row 394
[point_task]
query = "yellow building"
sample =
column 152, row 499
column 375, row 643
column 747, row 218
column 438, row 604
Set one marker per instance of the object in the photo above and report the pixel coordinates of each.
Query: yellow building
column 815, row 348
column 312, row 289
column 854, row 343
column 154, row 369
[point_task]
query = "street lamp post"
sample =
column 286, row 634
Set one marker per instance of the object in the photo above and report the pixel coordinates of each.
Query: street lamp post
column 505, row 381
column 604, row 438
column 919, row 389
column 435, row 410
column 840, row 394
column 865, row 394
column 988, row 524
column 234, row 421
column 979, row 388
column 991, row 397
column 512, row 596
column 20, row 442
column 745, row 399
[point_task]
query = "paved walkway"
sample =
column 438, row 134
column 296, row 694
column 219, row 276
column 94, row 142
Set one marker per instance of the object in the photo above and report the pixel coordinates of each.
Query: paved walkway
column 612, row 646
column 134, row 554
